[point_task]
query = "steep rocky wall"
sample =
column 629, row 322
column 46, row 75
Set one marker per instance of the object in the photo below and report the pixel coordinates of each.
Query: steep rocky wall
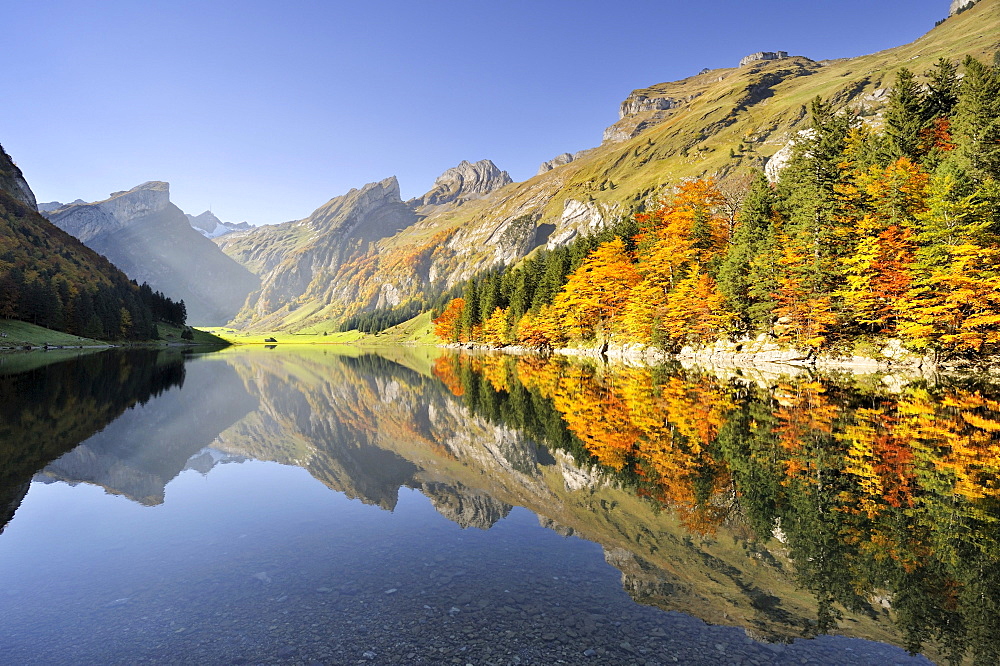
column 13, row 183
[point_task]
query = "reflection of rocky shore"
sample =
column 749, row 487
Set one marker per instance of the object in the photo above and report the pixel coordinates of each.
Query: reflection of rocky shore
column 467, row 509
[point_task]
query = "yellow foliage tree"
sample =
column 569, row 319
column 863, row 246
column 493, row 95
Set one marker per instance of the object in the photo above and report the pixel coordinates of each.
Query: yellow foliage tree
column 496, row 329
column 597, row 290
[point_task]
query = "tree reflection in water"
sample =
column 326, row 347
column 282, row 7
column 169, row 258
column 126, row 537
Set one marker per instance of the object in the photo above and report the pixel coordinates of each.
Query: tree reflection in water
column 884, row 501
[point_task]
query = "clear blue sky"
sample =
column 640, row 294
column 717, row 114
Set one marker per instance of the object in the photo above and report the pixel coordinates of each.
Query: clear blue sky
column 264, row 110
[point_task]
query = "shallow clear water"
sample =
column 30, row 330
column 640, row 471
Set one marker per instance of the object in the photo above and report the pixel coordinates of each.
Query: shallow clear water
column 306, row 508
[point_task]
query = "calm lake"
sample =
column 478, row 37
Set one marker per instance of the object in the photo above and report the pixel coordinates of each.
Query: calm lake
column 347, row 506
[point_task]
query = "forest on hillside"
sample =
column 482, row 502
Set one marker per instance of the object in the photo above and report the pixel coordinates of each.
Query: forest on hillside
column 50, row 279
column 872, row 231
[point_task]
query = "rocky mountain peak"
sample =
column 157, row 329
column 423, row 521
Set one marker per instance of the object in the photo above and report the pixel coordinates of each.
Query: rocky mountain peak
column 210, row 226
column 556, row 161
column 465, row 181
column 89, row 220
column 206, row 221
column 150, row 197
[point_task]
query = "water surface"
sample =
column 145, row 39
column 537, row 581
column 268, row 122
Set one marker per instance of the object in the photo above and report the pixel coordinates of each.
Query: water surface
column 266, row 506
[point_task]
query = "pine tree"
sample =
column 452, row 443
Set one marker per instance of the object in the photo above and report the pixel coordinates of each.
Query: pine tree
column 976, row 122
column 905, row 117
column 749, row 240
column 942, row 90
column 807, row 191
column 470, row 313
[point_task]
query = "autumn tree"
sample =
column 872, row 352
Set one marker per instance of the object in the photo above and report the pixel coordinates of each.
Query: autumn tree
column 596, row 291
column 448, row 325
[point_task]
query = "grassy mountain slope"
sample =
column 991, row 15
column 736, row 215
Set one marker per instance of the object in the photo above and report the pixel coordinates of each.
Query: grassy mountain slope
column 722, row 123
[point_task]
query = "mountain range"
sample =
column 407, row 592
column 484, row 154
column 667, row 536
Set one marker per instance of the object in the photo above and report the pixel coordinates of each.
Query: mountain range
column 152, row 241
column 50, row 278
column 368, row 249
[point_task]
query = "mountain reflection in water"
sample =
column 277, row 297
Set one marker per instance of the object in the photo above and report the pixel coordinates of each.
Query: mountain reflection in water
column 786, row 507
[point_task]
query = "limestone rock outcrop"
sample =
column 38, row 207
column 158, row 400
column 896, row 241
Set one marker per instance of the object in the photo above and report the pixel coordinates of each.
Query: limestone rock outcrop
column 87, row 221
column 643, row 109
column 958, row 5
column 556, row 161
column 777, row 162
column 638, row 103
column 763, row 55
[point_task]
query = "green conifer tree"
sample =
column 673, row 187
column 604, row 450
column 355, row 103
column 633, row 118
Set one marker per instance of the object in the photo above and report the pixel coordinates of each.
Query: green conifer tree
column 736, row 272
column 904, row 117
column 976, row 122
column 942, row 90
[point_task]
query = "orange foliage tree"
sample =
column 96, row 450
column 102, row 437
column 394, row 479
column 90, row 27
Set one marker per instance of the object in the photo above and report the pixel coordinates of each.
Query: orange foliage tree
column 446, row 326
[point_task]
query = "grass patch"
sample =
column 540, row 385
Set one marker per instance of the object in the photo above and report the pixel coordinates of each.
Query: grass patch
column 21, row 334
column 309, row 336
column 202, row 336
column 419, row 330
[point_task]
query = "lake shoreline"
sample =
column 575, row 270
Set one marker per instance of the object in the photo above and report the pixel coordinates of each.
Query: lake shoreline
column 760, row 354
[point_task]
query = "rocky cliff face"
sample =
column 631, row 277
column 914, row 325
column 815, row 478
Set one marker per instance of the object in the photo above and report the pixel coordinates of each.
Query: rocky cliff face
column 646, row 108
column 306, row 261
column 87, row 221
column 150, row 239
column 13, row 183
column 958, row 5
column 298, row 260
column 463, row 182
column 763, row 55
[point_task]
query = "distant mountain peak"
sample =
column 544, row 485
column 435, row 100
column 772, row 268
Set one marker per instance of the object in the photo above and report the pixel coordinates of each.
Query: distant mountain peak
column 466, row 181
column 89, row 220
column 153, row 241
